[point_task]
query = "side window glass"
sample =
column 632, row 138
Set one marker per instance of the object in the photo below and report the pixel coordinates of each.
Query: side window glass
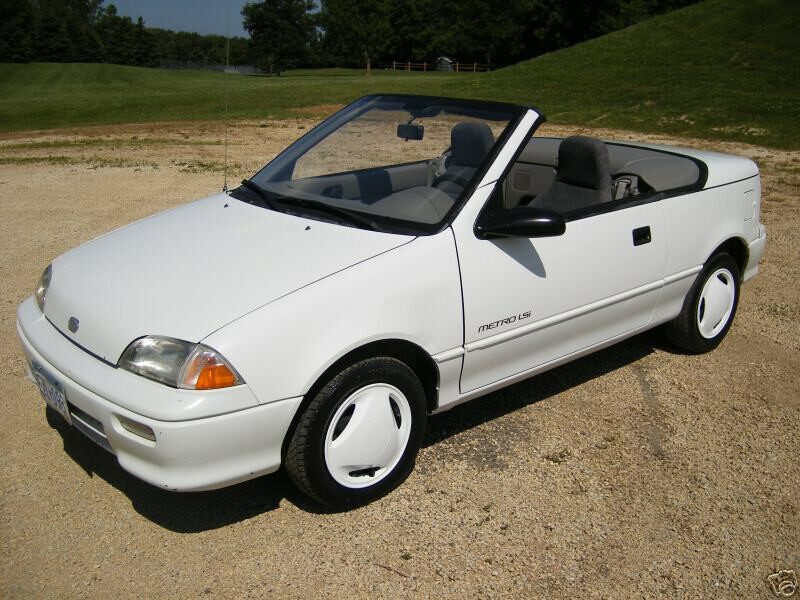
column 581, row 176
column 525, row 182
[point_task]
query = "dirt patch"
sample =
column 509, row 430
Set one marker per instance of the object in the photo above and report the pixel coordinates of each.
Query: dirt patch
column 319, row 111
column 635, row 472
column 653, row 424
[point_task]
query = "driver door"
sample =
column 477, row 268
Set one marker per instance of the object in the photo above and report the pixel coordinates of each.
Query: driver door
column 533, row 302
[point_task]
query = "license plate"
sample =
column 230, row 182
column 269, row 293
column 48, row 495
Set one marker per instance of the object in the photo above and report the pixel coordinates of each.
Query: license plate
column 51, row 391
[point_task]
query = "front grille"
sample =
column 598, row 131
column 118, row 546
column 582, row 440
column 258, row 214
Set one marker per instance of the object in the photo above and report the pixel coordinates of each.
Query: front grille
column 89, row 426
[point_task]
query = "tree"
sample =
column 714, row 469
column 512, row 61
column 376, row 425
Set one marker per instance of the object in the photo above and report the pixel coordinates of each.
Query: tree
column 144, row 46
column 117, row 36
column 281, row 32
column 342, row 33
column 17, row 21
column 65, row 31
column 240, row 51
column 356, row 30
column 489, row 32
column 416, row 32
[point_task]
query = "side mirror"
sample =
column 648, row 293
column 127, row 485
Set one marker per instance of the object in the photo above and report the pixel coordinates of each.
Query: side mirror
column 523, row 221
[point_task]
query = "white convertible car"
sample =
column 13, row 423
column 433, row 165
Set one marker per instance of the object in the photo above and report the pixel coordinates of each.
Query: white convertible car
column 408, row 254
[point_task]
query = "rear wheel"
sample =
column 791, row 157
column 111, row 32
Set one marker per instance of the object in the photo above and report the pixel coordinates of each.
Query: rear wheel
column 358, row 438
column 709, row 308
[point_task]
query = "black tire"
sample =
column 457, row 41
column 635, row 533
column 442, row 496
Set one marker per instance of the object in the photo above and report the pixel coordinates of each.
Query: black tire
column 306, row 454
column 685, row 330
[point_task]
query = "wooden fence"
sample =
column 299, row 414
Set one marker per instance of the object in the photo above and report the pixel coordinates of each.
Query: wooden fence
column 456, row 67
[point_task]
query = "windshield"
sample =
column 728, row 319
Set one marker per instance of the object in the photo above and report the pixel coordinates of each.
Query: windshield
column 394, row 163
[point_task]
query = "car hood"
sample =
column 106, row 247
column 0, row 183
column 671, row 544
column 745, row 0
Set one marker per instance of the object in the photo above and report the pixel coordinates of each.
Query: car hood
column 187, row 272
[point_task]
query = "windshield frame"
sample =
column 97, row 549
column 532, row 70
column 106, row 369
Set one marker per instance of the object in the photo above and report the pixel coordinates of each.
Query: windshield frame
column 390, row 224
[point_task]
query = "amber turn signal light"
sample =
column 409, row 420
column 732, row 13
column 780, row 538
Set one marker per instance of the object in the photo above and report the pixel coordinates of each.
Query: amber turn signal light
column 212, row 377
column 205, row 369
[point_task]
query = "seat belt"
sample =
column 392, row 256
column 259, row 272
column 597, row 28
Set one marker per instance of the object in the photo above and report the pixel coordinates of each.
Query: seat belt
column 622, row 188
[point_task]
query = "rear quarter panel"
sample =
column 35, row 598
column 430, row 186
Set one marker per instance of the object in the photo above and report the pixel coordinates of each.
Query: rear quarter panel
column 698, row 223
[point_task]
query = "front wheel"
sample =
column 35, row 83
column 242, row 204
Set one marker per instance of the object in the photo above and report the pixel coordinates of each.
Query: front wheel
column 358, row 438
column 709, row 308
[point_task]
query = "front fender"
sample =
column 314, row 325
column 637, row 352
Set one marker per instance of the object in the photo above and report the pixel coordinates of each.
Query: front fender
column 411, row 293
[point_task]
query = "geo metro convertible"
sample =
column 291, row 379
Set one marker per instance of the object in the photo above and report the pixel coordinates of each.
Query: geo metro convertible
column 408, row 254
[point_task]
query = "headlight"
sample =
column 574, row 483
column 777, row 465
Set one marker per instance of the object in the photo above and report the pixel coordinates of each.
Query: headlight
column 41, row 290
column 178, row 364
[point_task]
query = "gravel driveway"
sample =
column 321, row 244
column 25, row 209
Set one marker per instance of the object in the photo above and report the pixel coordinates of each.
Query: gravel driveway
column 635, row 472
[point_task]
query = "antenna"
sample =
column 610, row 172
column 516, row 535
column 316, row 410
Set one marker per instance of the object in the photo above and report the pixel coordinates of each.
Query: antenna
column 227, row 87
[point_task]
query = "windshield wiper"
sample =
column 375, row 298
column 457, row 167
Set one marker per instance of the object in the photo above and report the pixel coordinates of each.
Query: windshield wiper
column 343, row 213
column 252, row 185
column 351, row 216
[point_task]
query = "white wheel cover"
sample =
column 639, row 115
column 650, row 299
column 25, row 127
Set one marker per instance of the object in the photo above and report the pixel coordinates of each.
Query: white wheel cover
column 368, row 446
column 716, row 303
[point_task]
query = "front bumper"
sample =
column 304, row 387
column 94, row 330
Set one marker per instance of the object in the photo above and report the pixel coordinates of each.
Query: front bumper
column 189, row 454
column 755, row 250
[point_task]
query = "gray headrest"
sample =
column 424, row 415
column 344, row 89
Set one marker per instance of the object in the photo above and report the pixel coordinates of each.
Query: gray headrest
column 583, row 161
column 470, row 143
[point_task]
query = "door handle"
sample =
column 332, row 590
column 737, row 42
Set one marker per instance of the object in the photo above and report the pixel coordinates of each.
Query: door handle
column 641, row 235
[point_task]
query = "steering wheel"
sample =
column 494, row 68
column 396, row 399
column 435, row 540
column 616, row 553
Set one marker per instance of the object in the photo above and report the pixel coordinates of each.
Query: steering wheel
column 453, row 178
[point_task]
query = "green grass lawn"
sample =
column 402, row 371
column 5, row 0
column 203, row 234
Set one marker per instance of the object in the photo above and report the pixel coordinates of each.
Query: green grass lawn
column 39, row 96
column 722, row 69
